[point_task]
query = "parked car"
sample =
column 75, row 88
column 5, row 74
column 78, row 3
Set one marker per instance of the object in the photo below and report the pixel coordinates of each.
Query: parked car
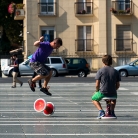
column 57, row 64
column 78, row 66
column 130, row 69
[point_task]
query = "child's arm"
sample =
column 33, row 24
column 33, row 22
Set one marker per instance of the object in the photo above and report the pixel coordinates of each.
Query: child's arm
column 117, row 85
column 97, row 85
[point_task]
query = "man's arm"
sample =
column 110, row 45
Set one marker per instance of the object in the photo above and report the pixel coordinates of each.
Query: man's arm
column 37, row 43
column 15, row 65
column 97, row 85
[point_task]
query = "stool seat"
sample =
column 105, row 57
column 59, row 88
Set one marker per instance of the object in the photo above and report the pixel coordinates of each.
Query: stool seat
column 108, row 117
column 109, row 98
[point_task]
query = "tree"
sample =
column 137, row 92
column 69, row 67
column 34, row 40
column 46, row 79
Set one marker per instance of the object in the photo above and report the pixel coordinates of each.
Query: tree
column 11, row 27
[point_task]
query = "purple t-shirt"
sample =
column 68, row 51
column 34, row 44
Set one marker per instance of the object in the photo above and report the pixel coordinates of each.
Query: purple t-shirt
column 43, row 51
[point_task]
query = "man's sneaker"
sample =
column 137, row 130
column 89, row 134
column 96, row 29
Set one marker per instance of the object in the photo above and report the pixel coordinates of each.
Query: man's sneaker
column 21, row 84
column 113, row 113
column 101, row 114
column 39, row 86
column 13, row 86
column 45, row 90
column 31, row 84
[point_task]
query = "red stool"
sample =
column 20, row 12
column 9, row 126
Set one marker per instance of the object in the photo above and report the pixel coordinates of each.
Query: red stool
column 40, row 105
column 108, row 105
column 49, row 110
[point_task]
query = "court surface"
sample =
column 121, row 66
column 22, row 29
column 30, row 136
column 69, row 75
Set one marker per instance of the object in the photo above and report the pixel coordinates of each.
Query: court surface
column 74, row 117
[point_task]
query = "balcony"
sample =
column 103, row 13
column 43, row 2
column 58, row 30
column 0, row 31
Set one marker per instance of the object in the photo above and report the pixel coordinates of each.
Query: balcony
column 83, row 8
column 84, row 45
column 47, row 9
column 19, row 14
column 122, row 8
column 123, row 45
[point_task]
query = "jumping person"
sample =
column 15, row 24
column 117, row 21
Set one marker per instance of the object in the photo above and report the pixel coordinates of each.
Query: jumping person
column 107, row 83
column 15, row 65
column 37, row 63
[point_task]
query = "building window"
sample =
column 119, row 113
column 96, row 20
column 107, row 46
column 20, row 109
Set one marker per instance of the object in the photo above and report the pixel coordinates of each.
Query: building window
column 47, row 7
column 123, row 4
column 48, row 33
column 84, row 7
column 84, row 41
column 124, row 38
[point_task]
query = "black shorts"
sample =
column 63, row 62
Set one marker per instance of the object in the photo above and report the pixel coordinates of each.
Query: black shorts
column 40, row 69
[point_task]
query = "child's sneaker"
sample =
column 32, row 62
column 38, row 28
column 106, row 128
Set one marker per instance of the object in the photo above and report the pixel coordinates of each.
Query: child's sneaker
column 101, row 114
column 31, row 84
column 45, row 90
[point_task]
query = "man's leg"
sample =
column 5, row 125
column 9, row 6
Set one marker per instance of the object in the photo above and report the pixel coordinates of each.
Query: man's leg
column 34, row 74
column 14, row 80
column 40, row 84
column 44, row 72
column 38, row 77
column 47, row 79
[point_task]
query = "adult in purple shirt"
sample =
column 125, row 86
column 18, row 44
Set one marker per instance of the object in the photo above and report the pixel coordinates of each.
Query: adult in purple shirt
column 37, row 63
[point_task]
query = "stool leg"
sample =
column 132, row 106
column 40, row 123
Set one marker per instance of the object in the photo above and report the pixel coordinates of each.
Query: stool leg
column 108, row 104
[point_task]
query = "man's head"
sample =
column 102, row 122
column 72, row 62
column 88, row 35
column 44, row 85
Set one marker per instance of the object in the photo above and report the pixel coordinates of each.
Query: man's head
column 57, row 42
column 14, row 56
column 107, row 60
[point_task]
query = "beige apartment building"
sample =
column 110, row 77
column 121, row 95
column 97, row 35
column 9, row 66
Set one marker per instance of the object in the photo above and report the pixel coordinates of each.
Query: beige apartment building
column 88, row 28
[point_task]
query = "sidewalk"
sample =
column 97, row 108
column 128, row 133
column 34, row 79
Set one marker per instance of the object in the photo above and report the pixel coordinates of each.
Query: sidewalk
column 89, row 75
column 92, row 74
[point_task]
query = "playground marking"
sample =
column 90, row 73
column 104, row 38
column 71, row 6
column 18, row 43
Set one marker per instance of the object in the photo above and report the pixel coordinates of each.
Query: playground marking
column 121, row 88
column 135, row 93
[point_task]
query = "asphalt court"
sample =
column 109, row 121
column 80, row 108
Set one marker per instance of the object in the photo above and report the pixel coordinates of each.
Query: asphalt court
column 74, row 117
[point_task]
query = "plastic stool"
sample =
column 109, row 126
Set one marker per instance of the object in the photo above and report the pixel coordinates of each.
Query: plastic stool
column 108, row 111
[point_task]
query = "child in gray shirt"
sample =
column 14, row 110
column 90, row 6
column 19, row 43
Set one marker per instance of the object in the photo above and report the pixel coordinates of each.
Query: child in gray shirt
column 107, row 83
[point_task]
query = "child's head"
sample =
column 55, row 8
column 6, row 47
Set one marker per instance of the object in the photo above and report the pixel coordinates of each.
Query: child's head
column 107, row 60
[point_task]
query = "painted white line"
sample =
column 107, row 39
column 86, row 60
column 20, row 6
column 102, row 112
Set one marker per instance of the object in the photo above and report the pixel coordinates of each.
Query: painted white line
column 86, row 94
column 121, row 88
column 62, row 104
column 49, row 118
column 69, row 124
column 69, row 134
column 135, row 93
column 64, row 111
column 60, row 121
column 86, row 134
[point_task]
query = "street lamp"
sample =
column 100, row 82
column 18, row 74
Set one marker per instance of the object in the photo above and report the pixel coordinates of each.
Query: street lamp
column 21, row 48
column 0, row 40
column 21, row 35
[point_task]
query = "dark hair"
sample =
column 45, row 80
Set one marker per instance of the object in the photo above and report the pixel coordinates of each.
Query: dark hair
column 58, row 40
column 14, row 55
column 107, row 60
